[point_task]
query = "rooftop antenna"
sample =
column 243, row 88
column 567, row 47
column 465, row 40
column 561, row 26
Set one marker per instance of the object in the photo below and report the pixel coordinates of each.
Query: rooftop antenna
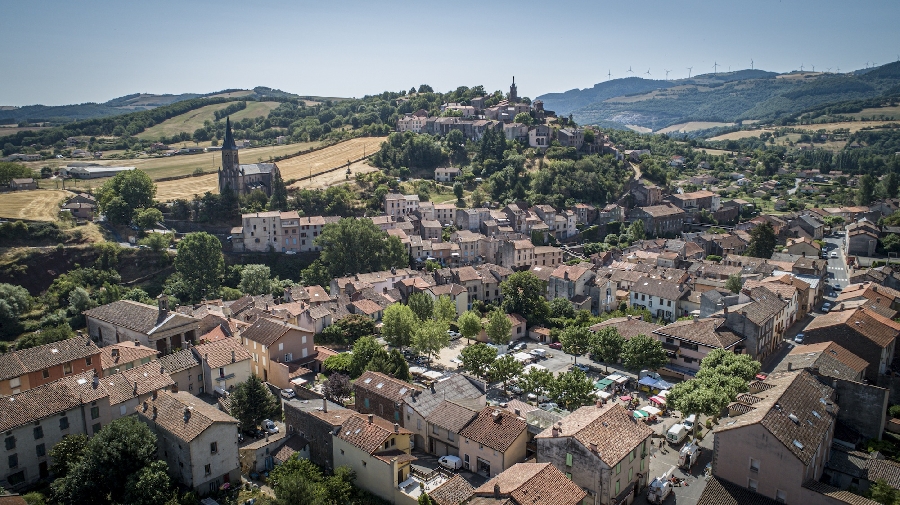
column 715, row 68
column 689, row 71
column 667, row 74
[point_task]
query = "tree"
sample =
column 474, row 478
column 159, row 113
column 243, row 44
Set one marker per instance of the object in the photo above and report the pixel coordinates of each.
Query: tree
column 117, row 211
column 256, row 280
column 251, row 402
column 67, row 453
column 505, row 368
column 422, row 306
column 524, row 118
column 469, row 324
column 561, row 308
column 607, row 345
column 538, row 381
column 734, row 283
column 353, row 246
column 298, row 480
column 891, row 243
column 10, row 171
column 14, row 301
column 390, row 363
column 398, row 323
column 363, row 351
column 424, row 499
column 695, row 397
column 120, row 450
column 643, row 352
column 444, row 309
column 575, row 340
column 881, row 492
column 157, row 242
column 337, row 387
column 523, row 293
column 79, row 301
column 866, row 193
column 134, row 187
column 279, row 199
column 458, row 188
column 430, row 337
column 149, row 485
column 572, row 389
column 762, row 241
column 147, row 219
column 339, row 362
column 478, row 358
column 201, row 264
column 636, row 230
column 498, row 327
column 722, row 362
column 356, row 326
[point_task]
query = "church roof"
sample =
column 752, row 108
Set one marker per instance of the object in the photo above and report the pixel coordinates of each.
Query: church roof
column 229, row 137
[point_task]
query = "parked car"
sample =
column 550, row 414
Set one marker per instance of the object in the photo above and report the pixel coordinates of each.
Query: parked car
column 287, row 394
column 255, row 433
column 450, row 462
column 548, row 406
column 581, row 366
column 555, row 345
column 517, row 346
column 799, row 338
column 689, row 421
column 538, row 353
column 833, row 254
column 676, row 434
column 269, row 426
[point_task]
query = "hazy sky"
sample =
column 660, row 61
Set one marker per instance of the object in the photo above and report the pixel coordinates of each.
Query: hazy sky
column 61, row 52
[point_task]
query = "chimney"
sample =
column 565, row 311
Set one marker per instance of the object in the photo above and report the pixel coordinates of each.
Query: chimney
column 137, row 343
column 115, row 354
column 162, row 369
column 497, row 490
column 696, row 318
column 593, row 447
column 233, row 357
column 324, row 405
column 187, row 414
column 629, row 317
column 154, row 412
column 96, row 380
column 135, row 391
column 287, row 294
column 396, row 428
column 371, row 418
column 555, row 432
column 163, row 302
column 790, row 366
column 154, row 396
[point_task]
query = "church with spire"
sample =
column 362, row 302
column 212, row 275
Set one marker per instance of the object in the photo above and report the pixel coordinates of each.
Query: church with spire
column 243, row 179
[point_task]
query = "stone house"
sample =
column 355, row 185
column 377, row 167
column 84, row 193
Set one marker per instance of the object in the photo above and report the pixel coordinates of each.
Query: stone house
column 528, row 484
column 124, row 356
column 29, row 368
column 197, row 440
column 868, row 334
column 225, row 364
column 661, row 297
column 316, row 422
column 155, row 327
column 688, row 342
column 659, row 220
column 278, row 349
column 493, row 441
column 601, row 448
column 461, row 389
column 569, row 281
column 382, row 395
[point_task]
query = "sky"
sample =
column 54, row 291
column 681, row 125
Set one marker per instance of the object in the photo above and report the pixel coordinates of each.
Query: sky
column 63, row 52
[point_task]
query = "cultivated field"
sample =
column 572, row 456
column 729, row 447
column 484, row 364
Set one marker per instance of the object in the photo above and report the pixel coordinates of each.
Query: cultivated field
column 12, row 130
column 191, row 120
column 891, row 113
column 693, row 126
column 852, row 126
column 293, row 168
column 37, row 205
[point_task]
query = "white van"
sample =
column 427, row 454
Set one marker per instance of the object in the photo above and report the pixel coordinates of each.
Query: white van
column 676, row 434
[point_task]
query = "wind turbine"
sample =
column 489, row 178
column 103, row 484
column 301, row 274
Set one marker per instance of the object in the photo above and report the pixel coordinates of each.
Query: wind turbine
column 629, row 69
column 838, row 70
column 667, row 74
column 828, row 70
column 751, row 63
column 647, row 72
column 715, row 68
column 608, row 75
column 801, row 67
column 814, row 68
column 689, row 71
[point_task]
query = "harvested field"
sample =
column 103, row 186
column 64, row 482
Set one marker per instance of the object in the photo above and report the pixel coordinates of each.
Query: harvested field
column 12, row 130
column 693, row 126
column 187, row 188
column 191, row 120
column 852, row 126
column 36, row 205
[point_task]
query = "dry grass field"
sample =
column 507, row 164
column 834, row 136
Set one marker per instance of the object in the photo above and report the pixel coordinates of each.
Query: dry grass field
column 891, row 113
column 293, row 168
column 852, row 126
column 37, row 205
column 12, row 130
column 191, row 120
column 693, row 126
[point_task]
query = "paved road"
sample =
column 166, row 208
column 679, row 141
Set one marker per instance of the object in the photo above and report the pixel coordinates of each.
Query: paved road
column 796, row 186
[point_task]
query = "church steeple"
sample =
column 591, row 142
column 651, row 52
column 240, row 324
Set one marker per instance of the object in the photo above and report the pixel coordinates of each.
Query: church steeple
column 229, row 137
column 513, row 92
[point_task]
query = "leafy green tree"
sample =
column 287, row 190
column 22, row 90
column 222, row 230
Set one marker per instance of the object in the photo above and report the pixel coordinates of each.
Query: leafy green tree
column 734, row 283
column 279, row 200
column 866, row 192
column 560, row 308
column 504, row 369
column 117, row 211
column 607, row 345
column 14, row 301
column 149, row 485
column 478, row 358
column 422, row 306
column 575, row 340
column 643, row 352
column 157, row 242
column 251, row 402
column 353, row 246
column 537, row 381
column 10, row 171
column 424, row 499
column 498, row 327
column 256, row 280
column 134, row 187
column 363, row 351
column 201, row 264
column 524, row 118
column 80, row 300
column 146, row 219
column 444, row 309
column 458, row 188
column 695, row 397
column 572, row 389
column 891, row 243
column 722, row 362
column 339, row 363
column 67, row 453
column 356, row 326
column 398, row 323
column 523, row 294
column 636, row 230
column 119, row 451
column 762, row 241
column 881, row 492
column 430, row 337
column 298, row 480
column 469, row 324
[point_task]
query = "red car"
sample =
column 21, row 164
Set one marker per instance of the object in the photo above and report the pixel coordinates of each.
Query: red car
column 556, row 345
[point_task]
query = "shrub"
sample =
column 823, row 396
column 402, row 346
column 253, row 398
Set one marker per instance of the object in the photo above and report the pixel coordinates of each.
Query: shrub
column 894, row 411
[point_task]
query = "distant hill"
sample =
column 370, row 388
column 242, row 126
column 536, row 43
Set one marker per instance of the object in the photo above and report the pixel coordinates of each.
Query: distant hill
column 123, row 105
column 722, row 97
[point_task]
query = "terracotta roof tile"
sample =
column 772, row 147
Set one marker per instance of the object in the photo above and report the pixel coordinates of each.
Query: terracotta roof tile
column 115, row 355
column 178, row 361
column 223, row 352
column 533, row 483
column 149, row 378
column 709, row 332
column 494, row 428
column 722, row 492
column 368, row 436
column 628, row 327
column 451, row 416
column 182, row 414
column 452, row 492
column 139, row 317
column 49, row 399
column 384, row 385
column 879, row 329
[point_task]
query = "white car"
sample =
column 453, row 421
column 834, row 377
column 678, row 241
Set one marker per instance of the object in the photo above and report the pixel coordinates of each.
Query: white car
column 548, row 406
column 269, row 426
column 833, row 254
column 287, row 394
column 450, row 462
